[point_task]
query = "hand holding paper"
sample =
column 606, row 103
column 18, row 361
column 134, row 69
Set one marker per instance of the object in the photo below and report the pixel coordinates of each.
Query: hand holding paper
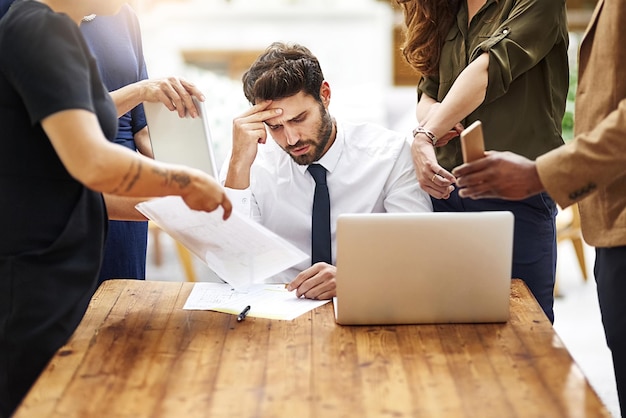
column 239, row 250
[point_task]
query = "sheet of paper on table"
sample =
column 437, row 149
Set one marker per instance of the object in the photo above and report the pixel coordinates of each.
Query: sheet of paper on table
column 270, row 301
column 240, row 251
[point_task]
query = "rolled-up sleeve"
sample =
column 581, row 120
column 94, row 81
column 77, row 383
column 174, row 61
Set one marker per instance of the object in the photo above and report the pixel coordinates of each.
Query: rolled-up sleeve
column 428, row 86
column 520, row 42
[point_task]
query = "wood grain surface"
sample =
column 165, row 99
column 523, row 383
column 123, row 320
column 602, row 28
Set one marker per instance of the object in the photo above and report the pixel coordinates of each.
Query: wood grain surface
column 137, row 353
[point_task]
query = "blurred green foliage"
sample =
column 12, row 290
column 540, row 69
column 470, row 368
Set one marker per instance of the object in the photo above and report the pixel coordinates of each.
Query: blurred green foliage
column 568, row 118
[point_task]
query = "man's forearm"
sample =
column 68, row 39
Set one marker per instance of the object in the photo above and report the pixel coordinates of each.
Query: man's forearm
column 237, row 177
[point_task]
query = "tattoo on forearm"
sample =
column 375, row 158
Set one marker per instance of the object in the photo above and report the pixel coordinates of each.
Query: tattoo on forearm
column 181, row 179
column 135, row 177
column 172, row 176
column 161, row 173
column 130, row 178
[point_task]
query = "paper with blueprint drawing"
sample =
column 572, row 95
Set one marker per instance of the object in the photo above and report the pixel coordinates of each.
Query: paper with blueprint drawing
column 240, row 251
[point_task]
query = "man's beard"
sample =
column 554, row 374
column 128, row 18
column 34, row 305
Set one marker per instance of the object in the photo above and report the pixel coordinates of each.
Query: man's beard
column 324, row 132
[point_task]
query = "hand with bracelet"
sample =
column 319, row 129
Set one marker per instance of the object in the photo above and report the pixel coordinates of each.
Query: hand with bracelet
column 434, row 179
column 431, row 107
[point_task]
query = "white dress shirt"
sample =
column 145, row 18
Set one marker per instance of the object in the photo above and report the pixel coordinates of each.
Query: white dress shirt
column 370, row 170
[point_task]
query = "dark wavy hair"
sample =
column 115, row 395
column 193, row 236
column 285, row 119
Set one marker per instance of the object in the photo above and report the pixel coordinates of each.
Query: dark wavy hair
column 283, row 70
column 427, row 24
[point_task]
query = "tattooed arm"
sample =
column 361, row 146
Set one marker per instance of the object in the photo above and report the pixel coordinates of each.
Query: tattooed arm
column 111, row 169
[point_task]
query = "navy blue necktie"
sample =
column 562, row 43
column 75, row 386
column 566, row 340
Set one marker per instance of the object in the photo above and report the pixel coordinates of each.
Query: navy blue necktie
column 320, row 221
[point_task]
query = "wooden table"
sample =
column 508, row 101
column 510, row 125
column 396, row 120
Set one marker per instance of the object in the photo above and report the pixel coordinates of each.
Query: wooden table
column 137, row 353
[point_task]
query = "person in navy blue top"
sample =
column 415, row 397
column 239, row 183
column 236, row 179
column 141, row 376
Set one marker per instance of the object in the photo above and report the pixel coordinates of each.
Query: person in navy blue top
column 4, row 6
column 115, row 41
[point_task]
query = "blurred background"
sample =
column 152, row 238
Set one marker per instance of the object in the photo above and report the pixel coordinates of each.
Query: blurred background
column 212, row 42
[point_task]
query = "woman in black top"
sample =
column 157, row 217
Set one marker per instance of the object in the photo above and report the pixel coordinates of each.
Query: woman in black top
column 55, row 161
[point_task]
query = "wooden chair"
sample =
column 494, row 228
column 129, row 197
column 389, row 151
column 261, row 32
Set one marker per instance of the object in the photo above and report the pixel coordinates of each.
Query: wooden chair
column 186, row 260
column 184, row 256
column 568, row 228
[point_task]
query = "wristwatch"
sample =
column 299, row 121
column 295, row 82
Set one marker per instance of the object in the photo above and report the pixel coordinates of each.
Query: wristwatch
column 421, row 130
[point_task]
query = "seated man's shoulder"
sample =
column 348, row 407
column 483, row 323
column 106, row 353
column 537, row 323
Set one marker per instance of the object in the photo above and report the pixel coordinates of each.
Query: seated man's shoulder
column 373, row 138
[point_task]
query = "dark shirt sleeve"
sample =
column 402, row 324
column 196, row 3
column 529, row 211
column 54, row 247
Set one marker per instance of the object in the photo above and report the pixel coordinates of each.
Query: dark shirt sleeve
column 64, row 84
column 428, row 86
column 520, row 42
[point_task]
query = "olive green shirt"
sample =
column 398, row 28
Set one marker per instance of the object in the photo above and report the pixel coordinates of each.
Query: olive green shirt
column 527, row 43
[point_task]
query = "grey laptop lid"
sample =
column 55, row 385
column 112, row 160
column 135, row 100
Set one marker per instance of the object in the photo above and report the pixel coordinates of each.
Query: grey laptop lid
column 423, row 268
column 179, row 140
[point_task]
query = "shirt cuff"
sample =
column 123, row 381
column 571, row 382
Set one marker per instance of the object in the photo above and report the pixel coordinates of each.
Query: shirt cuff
column 240, row 199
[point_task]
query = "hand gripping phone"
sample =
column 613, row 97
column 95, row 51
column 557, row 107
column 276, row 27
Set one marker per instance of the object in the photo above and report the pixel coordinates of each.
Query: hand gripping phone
column 472, row 142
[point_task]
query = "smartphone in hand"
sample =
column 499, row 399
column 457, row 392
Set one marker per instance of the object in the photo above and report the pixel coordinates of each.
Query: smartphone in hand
column 472, row 142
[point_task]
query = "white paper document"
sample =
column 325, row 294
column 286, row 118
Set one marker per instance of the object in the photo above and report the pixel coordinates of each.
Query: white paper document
column 239, row 250
column 270, row 301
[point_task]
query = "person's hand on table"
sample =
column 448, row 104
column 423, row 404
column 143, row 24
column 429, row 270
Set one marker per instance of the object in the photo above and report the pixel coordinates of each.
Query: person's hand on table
column 316, row 282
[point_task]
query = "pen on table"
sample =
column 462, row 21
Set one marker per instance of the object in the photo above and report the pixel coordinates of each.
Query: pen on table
column 243, row 314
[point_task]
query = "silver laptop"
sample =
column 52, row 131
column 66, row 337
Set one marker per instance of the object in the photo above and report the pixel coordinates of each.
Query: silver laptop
column 423, row 268
column 179, row 140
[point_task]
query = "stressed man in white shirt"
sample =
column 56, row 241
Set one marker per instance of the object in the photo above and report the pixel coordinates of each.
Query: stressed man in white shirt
column 369, row 168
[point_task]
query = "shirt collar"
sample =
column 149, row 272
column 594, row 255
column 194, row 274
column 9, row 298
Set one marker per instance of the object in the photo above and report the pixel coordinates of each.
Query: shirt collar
column 463, row 15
